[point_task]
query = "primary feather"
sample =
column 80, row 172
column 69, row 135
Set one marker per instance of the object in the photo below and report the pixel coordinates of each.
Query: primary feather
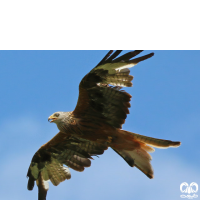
column 94, row 125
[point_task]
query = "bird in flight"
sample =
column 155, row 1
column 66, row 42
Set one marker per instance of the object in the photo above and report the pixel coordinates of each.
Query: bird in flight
column 94, row 125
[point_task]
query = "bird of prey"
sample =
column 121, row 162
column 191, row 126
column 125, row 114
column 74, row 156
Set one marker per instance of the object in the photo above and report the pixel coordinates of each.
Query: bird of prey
column 94, row 125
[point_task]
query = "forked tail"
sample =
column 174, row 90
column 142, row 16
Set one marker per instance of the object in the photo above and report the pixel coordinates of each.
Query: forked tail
column 139, row 155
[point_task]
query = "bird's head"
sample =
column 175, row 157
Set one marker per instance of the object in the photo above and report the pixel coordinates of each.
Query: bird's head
column 56, row 117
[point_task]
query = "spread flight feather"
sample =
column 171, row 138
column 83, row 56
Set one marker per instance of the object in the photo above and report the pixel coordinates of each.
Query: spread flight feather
column 94, row 125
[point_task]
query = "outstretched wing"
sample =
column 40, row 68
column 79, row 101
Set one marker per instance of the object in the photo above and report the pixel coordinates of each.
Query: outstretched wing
column 48, row 162
column 100, row 94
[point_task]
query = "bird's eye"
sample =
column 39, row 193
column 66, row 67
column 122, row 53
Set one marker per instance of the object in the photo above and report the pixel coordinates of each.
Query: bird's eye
column 56, row 114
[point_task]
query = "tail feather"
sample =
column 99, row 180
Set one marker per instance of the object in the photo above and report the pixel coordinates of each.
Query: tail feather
column 125, row 156
column 159, row 143
column 136, row 148
column 147, row 148
column 139, row 158
column 142, row 161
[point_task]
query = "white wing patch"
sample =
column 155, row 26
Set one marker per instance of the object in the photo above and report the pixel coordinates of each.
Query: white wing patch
column 113, row 67
column 46, row 184
column 67, row 171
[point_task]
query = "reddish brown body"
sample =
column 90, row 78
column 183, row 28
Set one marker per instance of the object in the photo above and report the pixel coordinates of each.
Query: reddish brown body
column 94, row 125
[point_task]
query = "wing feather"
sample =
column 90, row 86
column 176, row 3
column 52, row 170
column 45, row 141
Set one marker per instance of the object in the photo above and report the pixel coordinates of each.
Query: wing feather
column 98, row 99
column 48, row 162
column 101, row 103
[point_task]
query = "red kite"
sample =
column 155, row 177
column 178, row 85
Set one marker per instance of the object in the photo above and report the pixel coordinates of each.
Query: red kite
column 94, row 125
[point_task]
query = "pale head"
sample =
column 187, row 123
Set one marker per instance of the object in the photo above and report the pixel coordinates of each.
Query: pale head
column 57, row 117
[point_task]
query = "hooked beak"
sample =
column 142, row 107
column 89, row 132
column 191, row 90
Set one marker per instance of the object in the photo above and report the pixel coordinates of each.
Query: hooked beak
column 51, row 119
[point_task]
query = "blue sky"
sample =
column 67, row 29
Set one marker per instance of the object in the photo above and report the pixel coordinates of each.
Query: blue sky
column 165, row 104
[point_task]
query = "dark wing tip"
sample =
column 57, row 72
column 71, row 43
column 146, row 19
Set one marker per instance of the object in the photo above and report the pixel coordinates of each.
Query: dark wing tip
column 137, row 60
column 151, row 54
column 105, row 58
column 31, row 180
column 111, row 57
column 31, row 183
